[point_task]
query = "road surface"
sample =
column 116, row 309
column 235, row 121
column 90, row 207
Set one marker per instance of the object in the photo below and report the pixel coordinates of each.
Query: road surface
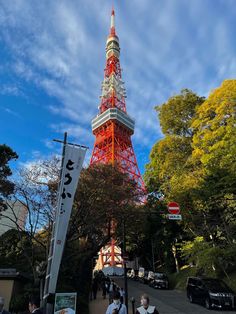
column 166, row 301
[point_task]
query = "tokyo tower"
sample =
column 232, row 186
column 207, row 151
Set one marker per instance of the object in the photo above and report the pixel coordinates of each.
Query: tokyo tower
column 113, row 129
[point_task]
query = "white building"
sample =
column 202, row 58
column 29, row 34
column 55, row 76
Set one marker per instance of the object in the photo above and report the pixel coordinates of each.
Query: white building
column 15, row 215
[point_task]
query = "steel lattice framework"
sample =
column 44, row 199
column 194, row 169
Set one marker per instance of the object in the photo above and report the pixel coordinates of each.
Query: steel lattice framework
column 113, row 127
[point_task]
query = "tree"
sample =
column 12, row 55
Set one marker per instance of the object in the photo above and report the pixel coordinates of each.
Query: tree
column 6, row 186
column 177, row 113
column 194, row 164
column 34, row 191
column 104, row 198
column 214, row 133
column 170, row 170
column 214, row 156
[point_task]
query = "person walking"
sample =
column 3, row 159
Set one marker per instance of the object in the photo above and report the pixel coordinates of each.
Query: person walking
column 34, row 305
column 95, row 288
column 2, row 311
column 111, row 290
column 122, row 294
column 145, row 307
column 104, row 289
column 116, row 307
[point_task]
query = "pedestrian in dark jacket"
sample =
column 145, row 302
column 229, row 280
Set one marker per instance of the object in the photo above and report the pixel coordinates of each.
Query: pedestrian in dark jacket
column 104, row 289
column 95, row 288
column 34, row 305
column 111, row 290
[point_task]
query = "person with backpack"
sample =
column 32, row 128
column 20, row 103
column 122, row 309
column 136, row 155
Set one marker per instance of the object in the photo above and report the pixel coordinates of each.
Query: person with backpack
column 116, row 307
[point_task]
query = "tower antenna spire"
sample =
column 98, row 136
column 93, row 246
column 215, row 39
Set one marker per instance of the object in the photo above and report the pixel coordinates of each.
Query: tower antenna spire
column 113, row 20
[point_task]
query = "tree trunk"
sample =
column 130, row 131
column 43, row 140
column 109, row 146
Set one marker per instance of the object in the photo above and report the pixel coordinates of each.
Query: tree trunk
column 175, row 257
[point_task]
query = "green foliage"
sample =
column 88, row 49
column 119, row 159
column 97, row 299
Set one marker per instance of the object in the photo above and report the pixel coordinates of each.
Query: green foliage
column 18, row 251
column 231, row 280
column 179, row 280
column 169, row 159
column 168, row 168
column 177, row 113
column 211, row 260
column 195, row 165
column 214, row 129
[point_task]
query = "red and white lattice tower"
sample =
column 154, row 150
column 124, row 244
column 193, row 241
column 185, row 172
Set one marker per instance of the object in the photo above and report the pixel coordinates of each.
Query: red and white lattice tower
column 113, row 129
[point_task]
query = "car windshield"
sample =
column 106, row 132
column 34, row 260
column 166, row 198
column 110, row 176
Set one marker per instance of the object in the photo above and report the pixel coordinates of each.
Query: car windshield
column 160, row 276
column 215, row 284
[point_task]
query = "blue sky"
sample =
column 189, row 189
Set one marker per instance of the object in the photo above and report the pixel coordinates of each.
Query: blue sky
column 52, row 58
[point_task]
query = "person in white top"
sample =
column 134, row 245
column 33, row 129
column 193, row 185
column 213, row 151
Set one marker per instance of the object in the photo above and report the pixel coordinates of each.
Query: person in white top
column 145, row 307
column 116, row 307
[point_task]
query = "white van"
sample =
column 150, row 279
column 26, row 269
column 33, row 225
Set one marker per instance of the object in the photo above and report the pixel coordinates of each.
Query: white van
column 141, row 272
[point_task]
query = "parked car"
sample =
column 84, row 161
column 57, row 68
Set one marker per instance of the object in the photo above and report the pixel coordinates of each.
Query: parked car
column 213, row 293
column 143, row 278
column 151, row 276
column 160, row 281
column 141, row 273
column 131, row 273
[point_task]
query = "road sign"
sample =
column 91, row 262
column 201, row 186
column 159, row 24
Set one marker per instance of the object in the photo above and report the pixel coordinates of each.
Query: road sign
column 173, row 208
column 174, row 217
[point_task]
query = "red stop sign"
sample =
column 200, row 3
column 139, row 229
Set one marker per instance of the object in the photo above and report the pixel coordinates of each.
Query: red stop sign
column 173, row 208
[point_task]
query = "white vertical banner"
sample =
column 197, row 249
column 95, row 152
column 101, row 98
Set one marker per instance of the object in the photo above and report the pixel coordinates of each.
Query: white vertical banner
column 72, row 165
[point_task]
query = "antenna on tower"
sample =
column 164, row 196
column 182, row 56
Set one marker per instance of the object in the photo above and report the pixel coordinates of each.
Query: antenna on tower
column 113, row 20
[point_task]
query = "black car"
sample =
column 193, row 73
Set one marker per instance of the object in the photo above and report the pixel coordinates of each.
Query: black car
column 160, row 281
column 213, row 293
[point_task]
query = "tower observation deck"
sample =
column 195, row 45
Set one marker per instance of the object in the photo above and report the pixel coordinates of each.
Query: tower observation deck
column 113, row 127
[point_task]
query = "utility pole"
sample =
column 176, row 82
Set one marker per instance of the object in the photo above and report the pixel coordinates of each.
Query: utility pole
column 153, row 257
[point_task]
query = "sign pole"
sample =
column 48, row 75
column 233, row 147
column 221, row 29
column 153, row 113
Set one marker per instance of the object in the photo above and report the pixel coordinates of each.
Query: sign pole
column 48, row 306
column 72, row 161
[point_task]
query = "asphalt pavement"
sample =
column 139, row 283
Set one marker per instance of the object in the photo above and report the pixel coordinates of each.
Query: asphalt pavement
column 166, row 301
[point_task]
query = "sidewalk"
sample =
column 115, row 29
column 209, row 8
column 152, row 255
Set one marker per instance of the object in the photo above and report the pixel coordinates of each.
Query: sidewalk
column 99, row 305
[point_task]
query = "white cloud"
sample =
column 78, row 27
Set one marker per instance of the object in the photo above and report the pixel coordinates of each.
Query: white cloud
column 165, row 46
column 78, row 133
column 13, row 113
column 10, row 90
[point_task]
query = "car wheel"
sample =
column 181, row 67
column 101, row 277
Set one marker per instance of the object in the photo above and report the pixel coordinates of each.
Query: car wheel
column 191, row 300
column 208, row 303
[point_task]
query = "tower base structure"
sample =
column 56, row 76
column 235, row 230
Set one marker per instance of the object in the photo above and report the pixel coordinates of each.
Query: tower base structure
column 110, row 256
